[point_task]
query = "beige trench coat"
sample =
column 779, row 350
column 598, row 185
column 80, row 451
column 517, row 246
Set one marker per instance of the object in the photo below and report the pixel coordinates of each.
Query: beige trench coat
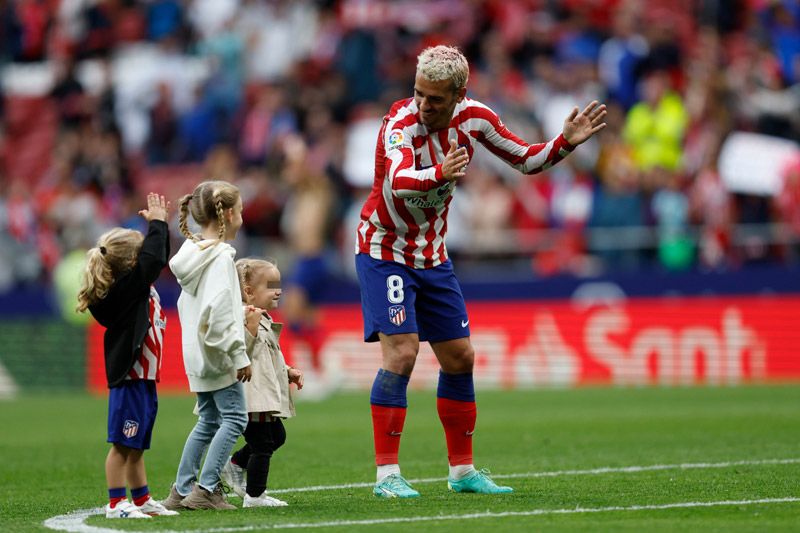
column 268, row 390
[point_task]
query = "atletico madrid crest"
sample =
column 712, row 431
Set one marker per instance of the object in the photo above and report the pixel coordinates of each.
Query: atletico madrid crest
column 397, row 314
column 130, row 429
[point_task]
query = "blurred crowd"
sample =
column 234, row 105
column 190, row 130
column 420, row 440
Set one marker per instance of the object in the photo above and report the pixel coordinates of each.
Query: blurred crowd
column 103, row 100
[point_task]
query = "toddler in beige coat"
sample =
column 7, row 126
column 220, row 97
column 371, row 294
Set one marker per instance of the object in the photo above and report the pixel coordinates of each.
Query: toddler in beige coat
column 269, row 398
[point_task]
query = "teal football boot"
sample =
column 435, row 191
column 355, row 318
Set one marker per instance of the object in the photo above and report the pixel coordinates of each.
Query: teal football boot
column 394, row 486
column 478, row 482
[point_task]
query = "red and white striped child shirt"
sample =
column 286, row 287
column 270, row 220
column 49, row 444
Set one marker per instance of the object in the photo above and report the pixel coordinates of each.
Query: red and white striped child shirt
column 405, row 216
column 148, row 364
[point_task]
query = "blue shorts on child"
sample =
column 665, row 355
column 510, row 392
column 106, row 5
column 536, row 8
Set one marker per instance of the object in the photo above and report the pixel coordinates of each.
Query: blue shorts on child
column 132, row 409
column 396, row 298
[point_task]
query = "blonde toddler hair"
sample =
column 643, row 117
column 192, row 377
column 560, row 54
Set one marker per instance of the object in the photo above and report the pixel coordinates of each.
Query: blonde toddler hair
column 247, row 270
column 437, row 63
column 114, row 255
column 207, row 204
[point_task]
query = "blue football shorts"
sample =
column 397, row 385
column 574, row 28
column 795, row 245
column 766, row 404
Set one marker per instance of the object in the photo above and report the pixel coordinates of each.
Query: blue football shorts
column 397, row 299
column 132, row 409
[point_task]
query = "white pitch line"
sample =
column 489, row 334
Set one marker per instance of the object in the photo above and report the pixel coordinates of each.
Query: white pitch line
column 505, row 514
column 83, row 528
column 557, row 473
column 75, row 521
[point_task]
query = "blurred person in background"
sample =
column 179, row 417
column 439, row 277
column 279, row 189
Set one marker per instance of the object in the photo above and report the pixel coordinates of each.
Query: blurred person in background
column 787, row 208
column 618, row 203
column 306, row 223
column 409, row 291
column 655, row 126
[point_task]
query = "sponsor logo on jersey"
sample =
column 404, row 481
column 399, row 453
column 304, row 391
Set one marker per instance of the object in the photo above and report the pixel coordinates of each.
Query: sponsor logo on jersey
column 130, row 428
column 397, row 314
column 395, row 139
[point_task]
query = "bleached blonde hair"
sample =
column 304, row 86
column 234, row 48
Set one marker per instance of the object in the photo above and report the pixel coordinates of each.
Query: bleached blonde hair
column 114, row 255
column 247, row 270
column 207, row 204
column 437, row 63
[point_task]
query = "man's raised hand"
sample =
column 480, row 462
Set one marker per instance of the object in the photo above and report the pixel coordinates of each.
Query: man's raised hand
column 578, row 127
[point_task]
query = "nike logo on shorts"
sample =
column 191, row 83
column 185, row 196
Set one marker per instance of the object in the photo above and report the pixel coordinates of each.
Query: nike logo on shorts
column 464, row 323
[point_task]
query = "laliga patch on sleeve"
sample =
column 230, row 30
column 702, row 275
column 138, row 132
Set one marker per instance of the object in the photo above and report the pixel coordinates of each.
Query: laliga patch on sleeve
column 395, row 139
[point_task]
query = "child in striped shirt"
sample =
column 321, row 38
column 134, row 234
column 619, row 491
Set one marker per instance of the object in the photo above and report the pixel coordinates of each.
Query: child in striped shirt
column 117, row 288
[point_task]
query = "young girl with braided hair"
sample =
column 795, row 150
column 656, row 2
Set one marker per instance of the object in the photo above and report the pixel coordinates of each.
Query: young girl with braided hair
column 117, row 288
column 212, row 328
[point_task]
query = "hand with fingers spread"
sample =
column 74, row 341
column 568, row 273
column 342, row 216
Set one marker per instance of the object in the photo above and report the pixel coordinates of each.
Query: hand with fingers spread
column 157, row 208
column 579, row 127
column 455, row 162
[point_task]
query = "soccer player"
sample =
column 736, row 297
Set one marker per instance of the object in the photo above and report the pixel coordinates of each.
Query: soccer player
column 409, row 292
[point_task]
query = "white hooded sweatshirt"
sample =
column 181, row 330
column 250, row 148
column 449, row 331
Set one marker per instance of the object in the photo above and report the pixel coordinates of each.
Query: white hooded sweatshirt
column 211, row 314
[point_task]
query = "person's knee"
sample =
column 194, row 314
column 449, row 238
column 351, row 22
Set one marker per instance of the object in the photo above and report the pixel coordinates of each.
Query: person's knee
column 466, row 357
column 135, row 455
column 279, row 436
column 400, row 355
column 459, row 361
column 238, row 421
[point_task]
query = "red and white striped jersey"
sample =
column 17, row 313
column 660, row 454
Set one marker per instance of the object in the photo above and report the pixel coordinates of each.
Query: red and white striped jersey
column 405, row 216
column 148, row 365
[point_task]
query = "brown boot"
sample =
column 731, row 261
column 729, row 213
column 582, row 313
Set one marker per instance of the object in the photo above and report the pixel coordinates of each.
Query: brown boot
column 200, row 498
column 173, row 501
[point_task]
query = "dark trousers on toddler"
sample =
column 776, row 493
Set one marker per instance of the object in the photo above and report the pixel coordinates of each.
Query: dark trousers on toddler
column 262, row 438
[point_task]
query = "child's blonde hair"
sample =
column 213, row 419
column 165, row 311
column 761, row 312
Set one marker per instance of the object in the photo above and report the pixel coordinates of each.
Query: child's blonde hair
column 247, row 268
column 114, row 255
column 207, row 204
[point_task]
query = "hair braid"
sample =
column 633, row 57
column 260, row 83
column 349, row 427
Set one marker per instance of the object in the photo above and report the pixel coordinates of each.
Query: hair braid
column 220, row 215
column 207, row 205
column 183, row 222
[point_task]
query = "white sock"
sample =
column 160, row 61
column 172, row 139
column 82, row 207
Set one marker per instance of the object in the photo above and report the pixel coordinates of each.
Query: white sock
column 387, row 470
column 460, row 471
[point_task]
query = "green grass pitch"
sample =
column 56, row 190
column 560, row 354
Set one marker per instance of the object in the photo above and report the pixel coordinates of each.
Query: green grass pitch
column 564, row 451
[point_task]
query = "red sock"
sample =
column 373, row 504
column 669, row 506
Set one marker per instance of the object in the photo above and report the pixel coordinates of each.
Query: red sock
column 114, row 501
column 387, row 425
column 140, row 499
column 458, row 419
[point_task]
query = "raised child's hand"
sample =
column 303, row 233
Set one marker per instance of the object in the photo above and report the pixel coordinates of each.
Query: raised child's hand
column 157, row 208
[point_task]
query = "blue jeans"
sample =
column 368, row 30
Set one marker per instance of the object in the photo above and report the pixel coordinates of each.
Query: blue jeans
column 223, row 417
